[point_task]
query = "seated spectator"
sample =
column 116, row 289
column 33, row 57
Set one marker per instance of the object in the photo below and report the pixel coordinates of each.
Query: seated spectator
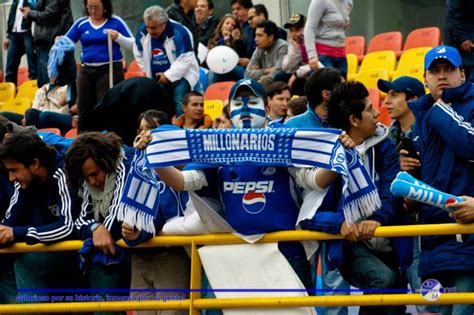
column 193, row 116
column 318, row 90
column 228, row 33
column 296, row 106
column 240, row 10
column 205, row 21
column 223, row 121
column 148, row 121
column 266, row 60
column 42, row 210
column 97, row 164
column 279, row 94
column 365, row 262
column 258, row 13
column 164, row 51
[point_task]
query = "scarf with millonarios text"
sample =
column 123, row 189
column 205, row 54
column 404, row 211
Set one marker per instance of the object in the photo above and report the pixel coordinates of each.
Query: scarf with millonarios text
column 286, row 147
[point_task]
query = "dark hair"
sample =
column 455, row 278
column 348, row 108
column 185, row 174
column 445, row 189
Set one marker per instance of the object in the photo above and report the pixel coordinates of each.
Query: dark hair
column 104, row 149
column 245, row 3
column 188, row 95
column 277, row 88
column 347, row 99
column 322, row 79
column 24, row 147
column 210, row 4
column 108, row 9
column 154, row 118
column 226, row 111
column 298, row 105
column 270, row 28
column 214, row 41
column 3, row 127
column 261, row 8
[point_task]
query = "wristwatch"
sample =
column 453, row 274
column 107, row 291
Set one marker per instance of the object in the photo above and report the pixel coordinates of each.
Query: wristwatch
column 94, row 226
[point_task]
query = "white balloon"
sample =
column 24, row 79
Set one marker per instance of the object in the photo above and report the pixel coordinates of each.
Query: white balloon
column 222, row 59
column 202, row 53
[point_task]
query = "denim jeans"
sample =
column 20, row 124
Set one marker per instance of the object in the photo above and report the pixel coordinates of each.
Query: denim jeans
column 47, row 119
column 366, row 269
column 43, row 56
column 19, row 44
column 340, row 63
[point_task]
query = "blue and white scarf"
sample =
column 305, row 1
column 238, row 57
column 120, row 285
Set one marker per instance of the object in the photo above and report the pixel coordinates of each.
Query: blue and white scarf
column 286, row 147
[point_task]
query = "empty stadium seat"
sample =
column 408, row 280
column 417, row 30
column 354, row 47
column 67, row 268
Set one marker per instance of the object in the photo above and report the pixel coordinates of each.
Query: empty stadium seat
column 134, row 74
column 7, row 91
column 22, row 75
column 415, row 71
column 72, row 134
column 384, row 116
column 379, row 60
column 374, row 96
column 218, row 91
column 16, row 105
column 413, row 56
column 56, row 131
column 352, row 64
column 133, row 67
column 213, row 108
column 28, row 89
column 386, row 41
column 370, row 77
column 355, row 45
column 423, row 37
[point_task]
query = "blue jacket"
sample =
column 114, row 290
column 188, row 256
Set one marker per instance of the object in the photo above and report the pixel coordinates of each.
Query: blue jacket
column 382, row 159
column 44, row 213
column 444, row 136
column 308, row 119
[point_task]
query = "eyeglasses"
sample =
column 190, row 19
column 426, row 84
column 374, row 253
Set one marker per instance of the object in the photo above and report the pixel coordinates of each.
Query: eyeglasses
column 94, row 7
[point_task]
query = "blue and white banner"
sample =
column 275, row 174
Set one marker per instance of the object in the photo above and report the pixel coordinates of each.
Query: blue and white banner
column 285, row 147
column 409, row 187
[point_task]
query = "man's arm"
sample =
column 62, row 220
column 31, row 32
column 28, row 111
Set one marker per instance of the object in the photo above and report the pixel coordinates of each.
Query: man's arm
column 50, row 15
column 254, row 70
column 185, row 57
column 282, row 51
column 138, row 51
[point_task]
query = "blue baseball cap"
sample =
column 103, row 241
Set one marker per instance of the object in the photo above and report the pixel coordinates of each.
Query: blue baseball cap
column 443, row 52
column 256, row 87
column 404, row 84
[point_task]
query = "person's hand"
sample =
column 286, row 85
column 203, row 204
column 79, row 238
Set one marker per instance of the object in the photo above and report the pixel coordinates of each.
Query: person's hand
column 243, row 62
column 255, row 67
column 6, row 234
column 367, row 229
column 142, row 140
column 6, row 43
column 268, row 71
column 129, row 232
column 350, row 233
column 73, row 109
column 314, row 63
column 75, row 121
column 25, row 11
column 346, row 140
column 235, row 34
column 161, row 78
column 113, row 33
column 408, row 164
column 467, row 45
column 103, row 240
column 465, row 210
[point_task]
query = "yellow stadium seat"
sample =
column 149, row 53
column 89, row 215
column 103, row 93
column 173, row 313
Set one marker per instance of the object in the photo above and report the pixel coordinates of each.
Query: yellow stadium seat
column 415, row 71
column 213, row 108
column 379, row 60
column 370, row 77
column 352, row 65
column 7, row 91
column 28, row 89
column 17, row 105
column 414, row 56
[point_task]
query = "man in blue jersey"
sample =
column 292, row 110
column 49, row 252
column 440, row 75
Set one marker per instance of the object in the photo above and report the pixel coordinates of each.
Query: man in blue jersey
column 164, row 51
column 42, row 210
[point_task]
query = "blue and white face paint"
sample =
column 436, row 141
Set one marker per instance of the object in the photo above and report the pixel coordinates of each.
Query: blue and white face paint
column 247, row 112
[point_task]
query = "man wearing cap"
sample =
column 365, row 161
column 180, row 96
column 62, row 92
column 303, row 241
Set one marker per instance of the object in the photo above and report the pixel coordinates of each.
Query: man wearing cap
column 444, row 136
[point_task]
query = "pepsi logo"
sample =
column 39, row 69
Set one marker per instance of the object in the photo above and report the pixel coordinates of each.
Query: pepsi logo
column 450, row 201
column 156, row 52
column 254, row 202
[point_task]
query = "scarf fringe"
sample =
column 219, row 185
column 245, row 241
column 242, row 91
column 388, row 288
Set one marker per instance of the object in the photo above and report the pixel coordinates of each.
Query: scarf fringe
column 135, row 217
column 362, row 207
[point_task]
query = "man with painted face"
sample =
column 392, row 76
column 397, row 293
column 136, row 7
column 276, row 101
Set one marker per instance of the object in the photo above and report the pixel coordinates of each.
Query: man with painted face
column 247, row 110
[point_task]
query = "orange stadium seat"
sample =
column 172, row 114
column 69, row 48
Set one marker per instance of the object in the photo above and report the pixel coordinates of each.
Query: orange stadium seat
column 218, row 91
column 374, row 96
column 56, row 131
column 22, row 75
column 1, row 75
column 72, row 134
column 355, row 45
column 134, row 74
column 133, row 67
column 423, row 37
column 386, row 41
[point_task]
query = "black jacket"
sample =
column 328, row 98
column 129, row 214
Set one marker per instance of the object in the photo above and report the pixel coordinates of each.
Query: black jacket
column 459, row 26
column 176, row 13
column 52, row 18
column 26, row 24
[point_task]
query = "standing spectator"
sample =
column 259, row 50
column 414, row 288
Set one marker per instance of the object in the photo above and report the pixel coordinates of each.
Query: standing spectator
column 42, row 210
column 193, row 116
column 97, row 164
column 325, row 32
column 205, row 21
column 164, row 51
column 444, row 137
column 19, row 41
column 459, row 32
column 240, row 10
column 228, row 33
column 279, row 94
column 265, row 63
column 182, row 11
column 318, row 90
column 258, row 13
column 93, row 30
column 52, row 18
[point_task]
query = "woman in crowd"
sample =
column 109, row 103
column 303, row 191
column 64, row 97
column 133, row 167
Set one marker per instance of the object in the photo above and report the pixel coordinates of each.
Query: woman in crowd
column 93, row 30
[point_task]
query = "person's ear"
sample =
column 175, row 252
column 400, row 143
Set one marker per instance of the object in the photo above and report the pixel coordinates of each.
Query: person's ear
column 463, row 76
column 326, row 95
column 354, row 121
column 36, row 164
